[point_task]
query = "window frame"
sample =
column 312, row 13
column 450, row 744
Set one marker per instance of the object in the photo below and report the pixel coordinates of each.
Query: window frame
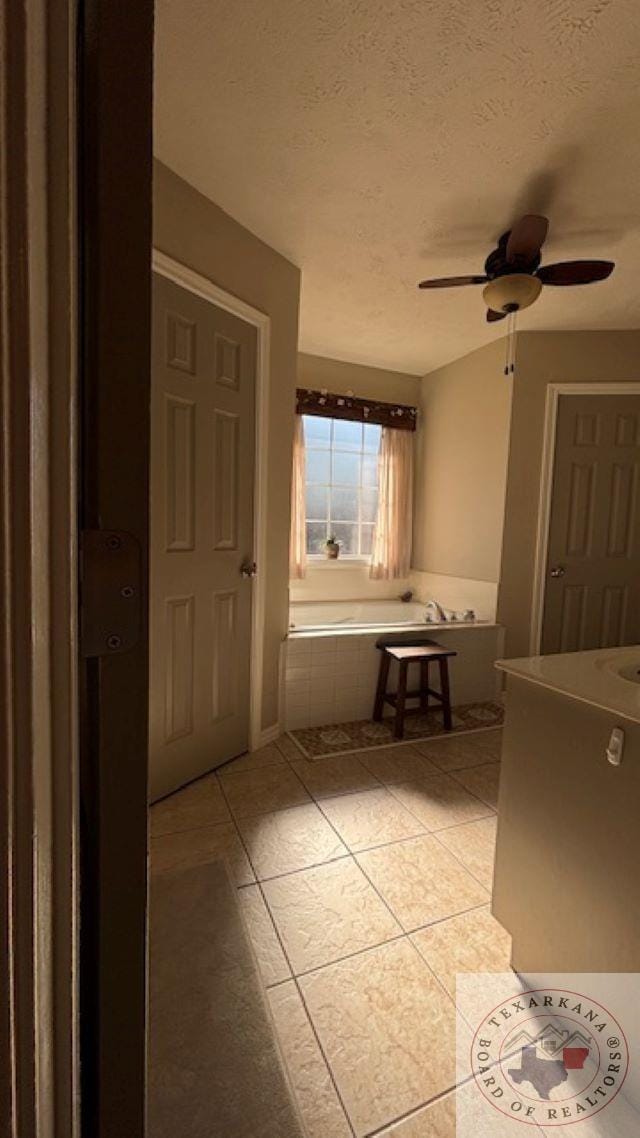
column 331, row 449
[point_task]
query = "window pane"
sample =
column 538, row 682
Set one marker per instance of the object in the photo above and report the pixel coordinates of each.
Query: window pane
column 316, row 537
column 372, row 435
column 317, row 431
column 346, row 468
column 347, row 535
column 317, row 498
column 370, row 470
column 347, row 435
column 341, row 484
column 318, row 465
column 366, row 540
column 369, row 503
column 344, row 505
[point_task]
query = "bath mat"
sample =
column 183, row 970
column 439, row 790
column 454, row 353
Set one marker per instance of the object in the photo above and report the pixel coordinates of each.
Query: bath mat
column 364, row 734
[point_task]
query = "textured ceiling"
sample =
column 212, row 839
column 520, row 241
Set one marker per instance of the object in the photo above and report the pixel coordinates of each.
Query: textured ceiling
column 375, row 142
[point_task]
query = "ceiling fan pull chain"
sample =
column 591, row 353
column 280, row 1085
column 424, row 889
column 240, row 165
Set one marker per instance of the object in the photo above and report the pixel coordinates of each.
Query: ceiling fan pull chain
column 510, row 353
column 514, row 341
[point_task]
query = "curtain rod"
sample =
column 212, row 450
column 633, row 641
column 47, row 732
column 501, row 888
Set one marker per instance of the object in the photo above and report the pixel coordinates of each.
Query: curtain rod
column 400, row 416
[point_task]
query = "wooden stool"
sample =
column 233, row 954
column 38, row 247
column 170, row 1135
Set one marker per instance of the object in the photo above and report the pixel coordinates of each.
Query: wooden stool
column 423, row 654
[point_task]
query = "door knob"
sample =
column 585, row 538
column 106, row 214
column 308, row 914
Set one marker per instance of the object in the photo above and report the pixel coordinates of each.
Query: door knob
column 557, row 571
column 248, row 569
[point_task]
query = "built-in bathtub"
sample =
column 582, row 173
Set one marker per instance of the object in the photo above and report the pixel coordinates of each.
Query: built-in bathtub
column 326, row 615
column 331, row 661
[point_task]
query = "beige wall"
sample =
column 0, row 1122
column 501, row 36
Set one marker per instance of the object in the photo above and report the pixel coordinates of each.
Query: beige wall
column 543, row 358
column 461, row 468
column 365, row 382
column 194, row 231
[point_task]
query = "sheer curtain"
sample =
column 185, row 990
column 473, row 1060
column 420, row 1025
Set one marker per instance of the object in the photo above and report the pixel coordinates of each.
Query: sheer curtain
column 298, row 541
column 392, row 541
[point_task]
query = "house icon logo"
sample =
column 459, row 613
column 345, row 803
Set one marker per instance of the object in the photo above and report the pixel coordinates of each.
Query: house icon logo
column 549, row 1058
column 570, row 1048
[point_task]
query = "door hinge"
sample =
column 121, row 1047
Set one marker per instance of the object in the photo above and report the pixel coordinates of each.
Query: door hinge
column 110, row 592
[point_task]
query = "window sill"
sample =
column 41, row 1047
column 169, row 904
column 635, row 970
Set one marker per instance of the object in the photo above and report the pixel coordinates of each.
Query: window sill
column 340, row 562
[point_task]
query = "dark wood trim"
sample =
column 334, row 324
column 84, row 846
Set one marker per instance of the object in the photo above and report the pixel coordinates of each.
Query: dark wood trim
column 115, row 207
column 400, row 416
column 18, row 1016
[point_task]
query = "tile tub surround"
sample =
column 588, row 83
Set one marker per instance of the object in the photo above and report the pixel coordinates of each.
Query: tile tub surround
column 362, row 901
column 331, row 677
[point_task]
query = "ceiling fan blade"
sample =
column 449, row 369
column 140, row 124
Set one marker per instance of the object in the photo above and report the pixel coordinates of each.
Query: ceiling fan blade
column 527, row 238
column 453, row 282
column 492, row 316
column 575, row 272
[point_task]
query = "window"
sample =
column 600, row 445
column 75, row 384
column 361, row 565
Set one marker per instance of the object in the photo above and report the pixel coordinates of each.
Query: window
column 341, row 484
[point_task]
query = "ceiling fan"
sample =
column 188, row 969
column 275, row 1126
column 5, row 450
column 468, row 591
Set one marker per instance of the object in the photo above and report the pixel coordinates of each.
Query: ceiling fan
column 513, row 277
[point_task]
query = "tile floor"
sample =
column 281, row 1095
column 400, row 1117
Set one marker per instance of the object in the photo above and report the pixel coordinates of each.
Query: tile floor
column 365, row 883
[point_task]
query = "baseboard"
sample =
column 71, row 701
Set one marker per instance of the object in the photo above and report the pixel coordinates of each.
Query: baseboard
column 268, row 735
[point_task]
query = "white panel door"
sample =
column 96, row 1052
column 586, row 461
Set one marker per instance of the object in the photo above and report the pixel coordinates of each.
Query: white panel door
column 202, row 477
column 592, row 585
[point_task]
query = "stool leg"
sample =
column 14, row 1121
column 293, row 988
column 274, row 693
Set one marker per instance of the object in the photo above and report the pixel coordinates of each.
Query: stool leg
column 401, row 699
column 424, row 686
column 446, row 694
column 381, row 690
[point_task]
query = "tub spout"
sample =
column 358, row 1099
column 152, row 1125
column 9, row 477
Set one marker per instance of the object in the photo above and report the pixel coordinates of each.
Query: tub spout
column 434, row 613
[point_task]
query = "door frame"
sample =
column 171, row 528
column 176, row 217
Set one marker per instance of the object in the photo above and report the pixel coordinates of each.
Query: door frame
column 554, row 392
column 39, row 887
column 205, row 288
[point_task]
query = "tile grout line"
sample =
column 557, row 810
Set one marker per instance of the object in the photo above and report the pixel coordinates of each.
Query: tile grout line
column 459, row 859
column 354, row 790
column 428, row 924
column 404, row 934
column 372, row 948
column 240, row 839
column 381, row 845
column 303, row 869
column 449, row 917
column 386, row 905
column 349, row 852
column 258, row 885
column 453, row 824
column 407, row 782
column 330, row 1072
column 479, row 766
column 293, row 978
column 415, row 1111
column 458, row 1009
column 309, row 1015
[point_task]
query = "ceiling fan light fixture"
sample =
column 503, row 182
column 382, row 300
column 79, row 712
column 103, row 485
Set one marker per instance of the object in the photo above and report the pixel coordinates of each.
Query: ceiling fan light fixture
column 511, row 292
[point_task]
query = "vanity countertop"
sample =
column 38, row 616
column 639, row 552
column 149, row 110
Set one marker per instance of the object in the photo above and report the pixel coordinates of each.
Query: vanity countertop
column 608, row 678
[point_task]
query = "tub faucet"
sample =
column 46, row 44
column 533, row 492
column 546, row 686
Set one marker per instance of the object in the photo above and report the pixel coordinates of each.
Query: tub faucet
column 434, row 613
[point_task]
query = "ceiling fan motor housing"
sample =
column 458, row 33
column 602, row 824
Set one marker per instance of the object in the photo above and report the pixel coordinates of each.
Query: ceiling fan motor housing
column 497, row 265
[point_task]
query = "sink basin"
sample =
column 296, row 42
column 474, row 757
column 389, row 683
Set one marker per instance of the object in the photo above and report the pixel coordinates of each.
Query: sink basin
column 626, row 666
column 630, row 672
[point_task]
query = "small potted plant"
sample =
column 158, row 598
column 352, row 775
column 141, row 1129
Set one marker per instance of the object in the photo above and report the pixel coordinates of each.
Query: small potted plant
column 333, row 548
